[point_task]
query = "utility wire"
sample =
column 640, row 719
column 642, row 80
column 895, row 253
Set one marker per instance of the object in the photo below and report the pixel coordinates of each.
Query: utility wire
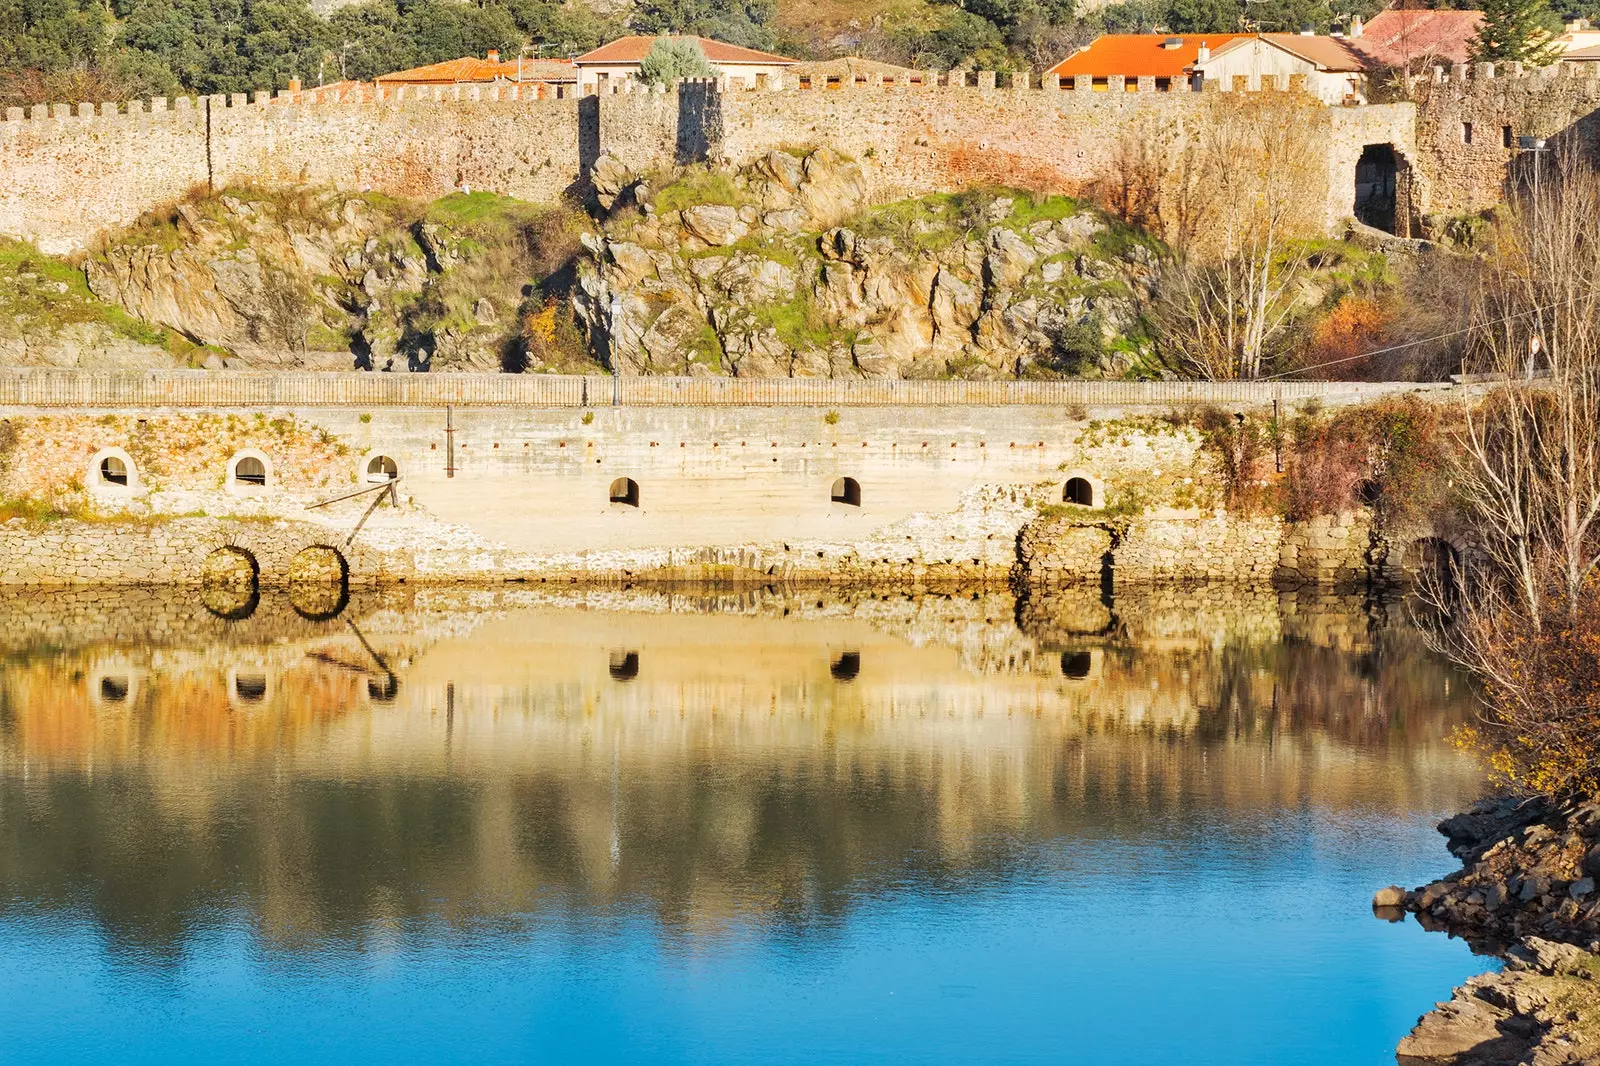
column 1424, row 340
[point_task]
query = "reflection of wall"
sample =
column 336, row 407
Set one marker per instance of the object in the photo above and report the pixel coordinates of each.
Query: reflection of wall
column 513, row 771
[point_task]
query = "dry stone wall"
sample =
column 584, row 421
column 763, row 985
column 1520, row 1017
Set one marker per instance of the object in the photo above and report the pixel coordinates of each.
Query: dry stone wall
column 68, row 174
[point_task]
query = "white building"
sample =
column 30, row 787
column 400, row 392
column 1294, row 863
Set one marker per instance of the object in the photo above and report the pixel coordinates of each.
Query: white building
column 619, row 61
column 1334, row 71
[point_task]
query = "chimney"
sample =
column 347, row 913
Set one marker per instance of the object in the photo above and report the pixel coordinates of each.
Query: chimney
column 294, row 85
column 1172, row 42
column 1202, row 55
column 494, row 55
column 1356, row 28
column 1308, row 30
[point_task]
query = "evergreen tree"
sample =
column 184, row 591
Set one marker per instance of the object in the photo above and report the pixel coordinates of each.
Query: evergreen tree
column 672, row 58
column 1515, row 31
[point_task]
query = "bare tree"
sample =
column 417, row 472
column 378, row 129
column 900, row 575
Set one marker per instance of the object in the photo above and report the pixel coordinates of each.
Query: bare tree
column 1530, row 475
column 1233, row 212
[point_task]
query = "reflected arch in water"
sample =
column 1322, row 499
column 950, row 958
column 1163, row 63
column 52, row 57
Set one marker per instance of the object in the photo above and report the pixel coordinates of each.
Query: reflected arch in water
column 113, row 684
column 319, row 582
column 248, row 687
column 847, row 667
column 1077, row 665
column 624, row 665
column 383, row 689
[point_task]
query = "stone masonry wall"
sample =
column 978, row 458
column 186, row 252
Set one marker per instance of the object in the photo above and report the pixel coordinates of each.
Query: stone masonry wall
column 67, row 175
column 1331, row 550
column 1462, row 177
column 943, row 494
column 70, row 176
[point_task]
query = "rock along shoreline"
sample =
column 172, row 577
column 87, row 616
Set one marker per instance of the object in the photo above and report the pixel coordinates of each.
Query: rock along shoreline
column 1526, row 892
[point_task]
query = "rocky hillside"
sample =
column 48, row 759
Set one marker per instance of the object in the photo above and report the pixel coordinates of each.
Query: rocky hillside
column 48, row 317
column 783, row 269
column 325, row 280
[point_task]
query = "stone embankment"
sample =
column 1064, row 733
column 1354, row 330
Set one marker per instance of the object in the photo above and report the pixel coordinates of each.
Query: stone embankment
column 1526, row 891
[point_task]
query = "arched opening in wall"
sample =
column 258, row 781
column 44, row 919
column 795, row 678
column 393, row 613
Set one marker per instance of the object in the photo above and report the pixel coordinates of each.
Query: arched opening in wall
column 250, row 471
column 1368, row 493
column 250, row 688
column 846, row 667
column 230, row 583
column 846, row 490
column 319, row 582
column 1377, row 178
column 1435, row 566
column 1078, row 490
column 381, row 468
column 114, row 471
column 624, row 665
column 625, row 492
column 114, row 688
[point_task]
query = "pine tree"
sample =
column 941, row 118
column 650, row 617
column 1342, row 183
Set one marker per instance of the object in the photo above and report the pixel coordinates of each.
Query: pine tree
column 1514, row 31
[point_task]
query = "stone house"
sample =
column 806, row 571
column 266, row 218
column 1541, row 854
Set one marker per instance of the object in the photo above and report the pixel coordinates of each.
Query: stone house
column 619, row 61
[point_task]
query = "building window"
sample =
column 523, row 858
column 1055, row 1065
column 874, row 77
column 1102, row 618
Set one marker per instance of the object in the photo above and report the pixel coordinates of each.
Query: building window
column 114, row 471
column 625, row 491
column 847, row 490
column 1505, row 137
column 381, row 468
column 1466, row 133
column 1078, row 491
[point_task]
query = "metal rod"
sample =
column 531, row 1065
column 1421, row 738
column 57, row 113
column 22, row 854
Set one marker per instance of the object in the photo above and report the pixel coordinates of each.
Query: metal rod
column 450, row 440
column 351, row 495
column 393, row 498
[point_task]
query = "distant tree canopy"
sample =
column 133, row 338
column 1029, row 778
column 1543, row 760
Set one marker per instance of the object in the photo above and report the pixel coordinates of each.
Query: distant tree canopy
column 672, row 58
column 1516, row 31
column 116, row 49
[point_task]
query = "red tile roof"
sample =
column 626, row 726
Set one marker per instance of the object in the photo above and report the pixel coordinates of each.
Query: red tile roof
column 1396, row 38
column 1330, row 54
column 470, row 70
column 1138, row 54
column 634, row 49
column 1584, row 55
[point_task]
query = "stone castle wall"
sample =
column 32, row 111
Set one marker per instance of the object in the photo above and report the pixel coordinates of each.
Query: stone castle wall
column 68, row 174
column 1465, row 171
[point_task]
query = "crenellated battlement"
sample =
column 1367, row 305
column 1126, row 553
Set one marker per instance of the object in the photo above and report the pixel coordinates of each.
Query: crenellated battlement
column 954, row 85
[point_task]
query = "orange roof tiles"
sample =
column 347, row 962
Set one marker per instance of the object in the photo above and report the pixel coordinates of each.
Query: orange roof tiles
column 471, row 70
column 1395, row 38
column 634, row 49
column 1139, row 54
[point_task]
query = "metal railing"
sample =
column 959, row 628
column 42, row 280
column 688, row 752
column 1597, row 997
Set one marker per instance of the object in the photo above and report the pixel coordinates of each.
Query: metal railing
column 201, row 388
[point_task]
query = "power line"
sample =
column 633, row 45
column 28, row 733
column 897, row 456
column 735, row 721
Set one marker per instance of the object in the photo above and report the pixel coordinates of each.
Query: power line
column 1423, row 340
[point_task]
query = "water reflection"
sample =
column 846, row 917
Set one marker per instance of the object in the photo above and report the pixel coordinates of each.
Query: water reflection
column 460, row 757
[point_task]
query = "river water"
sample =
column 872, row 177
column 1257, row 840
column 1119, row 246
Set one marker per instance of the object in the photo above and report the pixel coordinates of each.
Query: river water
column 537, row 825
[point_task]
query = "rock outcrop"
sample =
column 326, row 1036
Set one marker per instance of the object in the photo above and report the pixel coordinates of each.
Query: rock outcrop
column 1527, row 892
column 783, row 268
column 310, row 279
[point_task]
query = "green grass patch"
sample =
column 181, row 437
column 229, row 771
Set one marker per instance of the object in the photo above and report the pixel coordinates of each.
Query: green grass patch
column 696, row 187
column 43, row 293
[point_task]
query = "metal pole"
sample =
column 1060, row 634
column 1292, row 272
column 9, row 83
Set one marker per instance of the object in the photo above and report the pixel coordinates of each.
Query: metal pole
column 449, row 440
